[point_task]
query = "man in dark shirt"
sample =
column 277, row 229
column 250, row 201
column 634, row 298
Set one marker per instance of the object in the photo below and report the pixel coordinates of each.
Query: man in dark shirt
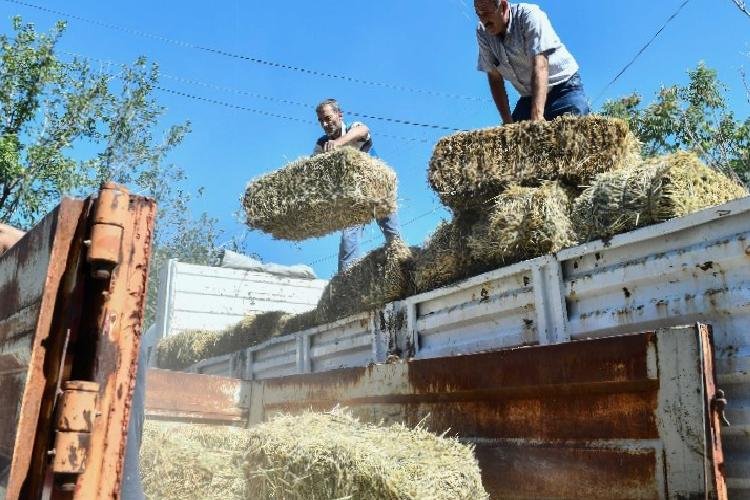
column 357, row 135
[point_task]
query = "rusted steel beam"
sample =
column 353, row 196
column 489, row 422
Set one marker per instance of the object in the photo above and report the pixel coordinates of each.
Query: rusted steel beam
column 117, row 346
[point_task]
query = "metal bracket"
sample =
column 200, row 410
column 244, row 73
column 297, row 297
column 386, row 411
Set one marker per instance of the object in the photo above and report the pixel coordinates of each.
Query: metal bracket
column 110, row 213
column 75, row 421
column 719, row 404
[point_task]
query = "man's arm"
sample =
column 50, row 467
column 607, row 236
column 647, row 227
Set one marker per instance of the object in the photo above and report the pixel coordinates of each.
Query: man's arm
column 499, row 95
column 539, row 82
column 357, row 133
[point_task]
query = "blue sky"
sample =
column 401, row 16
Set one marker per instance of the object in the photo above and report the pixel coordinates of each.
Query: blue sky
column 427, row 46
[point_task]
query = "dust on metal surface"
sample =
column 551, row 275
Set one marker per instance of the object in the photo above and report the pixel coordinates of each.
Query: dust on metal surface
column 195, row 398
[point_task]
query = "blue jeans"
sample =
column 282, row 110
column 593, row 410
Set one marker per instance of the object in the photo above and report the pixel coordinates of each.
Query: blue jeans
column 567, row 98
column 351, row 237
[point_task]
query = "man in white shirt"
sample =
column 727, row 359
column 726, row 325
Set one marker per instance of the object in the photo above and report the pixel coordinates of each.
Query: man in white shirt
column 517, row 43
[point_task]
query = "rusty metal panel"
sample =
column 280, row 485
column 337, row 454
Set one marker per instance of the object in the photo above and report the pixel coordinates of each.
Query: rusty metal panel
column 31, row 273
column 195, row 398
column 71, row 308
column 116, row 354
column 607, row 418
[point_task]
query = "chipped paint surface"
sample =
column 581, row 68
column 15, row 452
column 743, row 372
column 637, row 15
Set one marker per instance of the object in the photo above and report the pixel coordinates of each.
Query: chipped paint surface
column 30, row 274
column 578, row 420
column 195, row 398
column 42, row 285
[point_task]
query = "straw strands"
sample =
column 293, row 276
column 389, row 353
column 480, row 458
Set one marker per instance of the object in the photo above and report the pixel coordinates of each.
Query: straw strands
column 317, row 456
column 180, row 462
column 653, row 191
column 382, row 276
column 469, row 169
column 189, row 347
column 314, row 196
column 524, row 223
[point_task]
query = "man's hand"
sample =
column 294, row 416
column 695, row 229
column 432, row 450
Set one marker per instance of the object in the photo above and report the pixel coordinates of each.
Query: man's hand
column 539, row 84
column 331, row 145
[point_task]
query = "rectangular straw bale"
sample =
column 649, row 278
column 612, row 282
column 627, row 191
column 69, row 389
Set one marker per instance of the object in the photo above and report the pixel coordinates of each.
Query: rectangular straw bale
column 382, row 276
column 301, row 322
column 653, row 191
column 179, row 462
column 315, row 196
column 443, row 258
column 189, row 347
column 334, row 455
column 524, row 223
column 468, row 169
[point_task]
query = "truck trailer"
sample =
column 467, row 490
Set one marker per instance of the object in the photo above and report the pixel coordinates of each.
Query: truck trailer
column 608, row 370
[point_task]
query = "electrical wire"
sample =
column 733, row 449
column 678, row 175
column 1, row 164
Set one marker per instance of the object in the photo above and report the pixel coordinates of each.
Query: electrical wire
column 251, row 59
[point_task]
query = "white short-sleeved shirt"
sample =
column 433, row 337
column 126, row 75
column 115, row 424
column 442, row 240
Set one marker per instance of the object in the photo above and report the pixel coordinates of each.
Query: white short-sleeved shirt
column 529, row 34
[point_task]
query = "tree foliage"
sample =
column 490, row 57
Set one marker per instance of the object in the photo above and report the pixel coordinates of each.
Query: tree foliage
column 66, row 128
column 695, row 117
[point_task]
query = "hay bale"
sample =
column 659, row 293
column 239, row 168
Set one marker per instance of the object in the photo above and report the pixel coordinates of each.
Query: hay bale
column 524, row 223
column 444, row 257
column 469, row 169
column 315, row 196
column 333, row 455
column 653, row 191
column 382, row 276
column 189, row 347
column 180, row 462
column 301, row 322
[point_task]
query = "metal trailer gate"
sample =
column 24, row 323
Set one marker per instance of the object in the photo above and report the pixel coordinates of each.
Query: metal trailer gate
column 71, row 299
column 633, row 416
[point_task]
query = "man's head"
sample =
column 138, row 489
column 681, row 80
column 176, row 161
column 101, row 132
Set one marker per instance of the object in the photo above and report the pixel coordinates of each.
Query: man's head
column 494, row 15
column 330, row 117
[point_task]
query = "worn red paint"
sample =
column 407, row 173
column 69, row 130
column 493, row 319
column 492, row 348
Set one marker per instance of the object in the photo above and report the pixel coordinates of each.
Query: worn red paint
column 195, row 398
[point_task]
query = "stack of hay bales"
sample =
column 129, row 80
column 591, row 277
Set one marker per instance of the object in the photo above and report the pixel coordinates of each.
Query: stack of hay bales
column 470, row 169
column 189, row 347
column 333, row 455
column 510, row 190
column 322, row 194
column 382, row 276
column 310, row 456
column 653, row 191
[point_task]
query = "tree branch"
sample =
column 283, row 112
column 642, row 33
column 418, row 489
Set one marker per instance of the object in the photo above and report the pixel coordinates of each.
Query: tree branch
column 741, row 5
column 743, row 75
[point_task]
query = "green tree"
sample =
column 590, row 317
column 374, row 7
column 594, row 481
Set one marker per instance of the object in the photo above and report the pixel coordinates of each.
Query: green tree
column 65, row 128
column 692, row 117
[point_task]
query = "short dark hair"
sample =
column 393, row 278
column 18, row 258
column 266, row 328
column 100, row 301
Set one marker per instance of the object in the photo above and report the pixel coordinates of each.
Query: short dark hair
column 333, row 103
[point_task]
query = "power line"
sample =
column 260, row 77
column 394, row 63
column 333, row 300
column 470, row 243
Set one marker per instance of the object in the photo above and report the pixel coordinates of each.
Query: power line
column 269, row 113
column 642, row 50
column 255, row 60
column 256, row 95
